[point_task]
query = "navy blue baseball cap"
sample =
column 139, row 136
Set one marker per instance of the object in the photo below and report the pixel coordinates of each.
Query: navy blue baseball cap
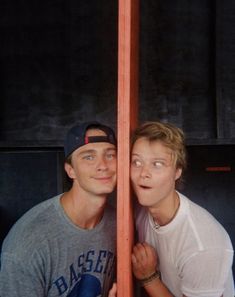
column 76, row 136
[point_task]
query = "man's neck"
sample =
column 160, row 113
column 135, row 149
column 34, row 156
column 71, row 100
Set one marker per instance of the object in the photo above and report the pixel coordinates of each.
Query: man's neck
column 167, row 211
column 85, row 212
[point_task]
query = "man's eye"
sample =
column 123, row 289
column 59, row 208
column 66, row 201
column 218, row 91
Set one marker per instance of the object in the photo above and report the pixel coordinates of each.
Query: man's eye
column 158, row 164
column 136, row 163
column 89, row 157
column 111, row 156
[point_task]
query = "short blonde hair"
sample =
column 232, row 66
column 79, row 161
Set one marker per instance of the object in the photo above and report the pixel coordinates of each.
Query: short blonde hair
column 170, row 135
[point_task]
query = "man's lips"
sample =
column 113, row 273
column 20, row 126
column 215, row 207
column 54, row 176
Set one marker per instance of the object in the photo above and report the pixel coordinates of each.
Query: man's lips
column 103, row 178
column 144, row 187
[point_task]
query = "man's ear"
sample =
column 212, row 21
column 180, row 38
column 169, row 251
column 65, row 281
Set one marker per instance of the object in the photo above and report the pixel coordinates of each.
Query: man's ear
column 69, row 170
column 178, row 173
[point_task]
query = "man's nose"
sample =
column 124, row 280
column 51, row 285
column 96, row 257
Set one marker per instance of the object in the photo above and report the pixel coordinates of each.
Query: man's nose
column 145, row 172
column 102, row 164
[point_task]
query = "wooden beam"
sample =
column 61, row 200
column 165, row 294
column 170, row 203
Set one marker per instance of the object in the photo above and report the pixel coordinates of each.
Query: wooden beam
column 128, row 31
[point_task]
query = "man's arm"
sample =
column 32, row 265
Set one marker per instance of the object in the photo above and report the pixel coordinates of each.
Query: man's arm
column 17, row 278
column 145, row 269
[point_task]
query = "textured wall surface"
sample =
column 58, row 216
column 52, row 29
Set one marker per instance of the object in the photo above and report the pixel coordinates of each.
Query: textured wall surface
column 58, row 65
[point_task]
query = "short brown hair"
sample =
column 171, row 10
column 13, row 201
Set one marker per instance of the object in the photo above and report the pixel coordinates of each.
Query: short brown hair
column 170, row 135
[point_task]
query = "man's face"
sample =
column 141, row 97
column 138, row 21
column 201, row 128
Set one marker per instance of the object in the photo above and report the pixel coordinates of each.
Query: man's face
column 94, row 166
column 153, row 173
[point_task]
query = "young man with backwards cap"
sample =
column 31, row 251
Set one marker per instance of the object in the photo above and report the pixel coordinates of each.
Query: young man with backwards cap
column 66, row 246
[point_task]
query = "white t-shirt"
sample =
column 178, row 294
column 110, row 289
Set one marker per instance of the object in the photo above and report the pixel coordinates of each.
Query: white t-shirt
column 194, row 251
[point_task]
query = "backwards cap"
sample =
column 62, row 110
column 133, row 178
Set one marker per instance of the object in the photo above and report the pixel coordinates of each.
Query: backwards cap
column 76, row 136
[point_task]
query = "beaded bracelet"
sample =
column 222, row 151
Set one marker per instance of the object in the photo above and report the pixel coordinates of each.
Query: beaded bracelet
column 145, row 281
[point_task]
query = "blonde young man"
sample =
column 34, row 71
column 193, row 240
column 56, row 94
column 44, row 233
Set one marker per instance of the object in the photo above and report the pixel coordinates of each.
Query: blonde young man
column 66, row 246
column 182, row 249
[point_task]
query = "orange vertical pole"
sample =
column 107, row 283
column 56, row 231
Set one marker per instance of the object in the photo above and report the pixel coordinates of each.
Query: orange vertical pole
column 128, row 24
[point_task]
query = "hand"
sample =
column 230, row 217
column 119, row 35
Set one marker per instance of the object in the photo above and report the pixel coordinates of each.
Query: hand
column 113, row 291
column 144, row 260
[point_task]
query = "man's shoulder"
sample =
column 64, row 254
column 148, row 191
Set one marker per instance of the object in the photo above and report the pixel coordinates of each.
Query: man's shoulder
column 206, row 226
column 38, row 213
column 29, row 230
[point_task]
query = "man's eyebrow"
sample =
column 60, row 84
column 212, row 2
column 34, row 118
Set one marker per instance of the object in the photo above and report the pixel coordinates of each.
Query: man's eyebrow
column 91, row 151
column 153, row 158
column 111, row 149
column 135, row 154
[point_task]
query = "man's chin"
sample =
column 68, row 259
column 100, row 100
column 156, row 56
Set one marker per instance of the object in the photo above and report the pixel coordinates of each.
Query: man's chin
column 144, row 201
column 106, row 191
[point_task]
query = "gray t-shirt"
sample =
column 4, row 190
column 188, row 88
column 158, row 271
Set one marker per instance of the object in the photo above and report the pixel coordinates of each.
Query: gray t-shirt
column 45, row 254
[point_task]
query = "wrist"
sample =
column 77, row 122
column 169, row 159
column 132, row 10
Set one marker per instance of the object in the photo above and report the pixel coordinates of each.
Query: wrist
column 145, row 281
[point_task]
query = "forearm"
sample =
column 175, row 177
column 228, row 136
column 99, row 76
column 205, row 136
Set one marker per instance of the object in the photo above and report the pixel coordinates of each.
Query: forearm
column 156, row 288
column 145, row 269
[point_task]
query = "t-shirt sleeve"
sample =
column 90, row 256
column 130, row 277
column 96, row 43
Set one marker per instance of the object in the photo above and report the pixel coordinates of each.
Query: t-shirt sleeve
column 206, row 272
column 20, row 278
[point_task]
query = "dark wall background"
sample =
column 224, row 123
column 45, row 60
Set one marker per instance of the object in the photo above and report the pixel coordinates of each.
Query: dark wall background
column 27, row 178
column 58, row 62
column 58, row 66
column 187, row 66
